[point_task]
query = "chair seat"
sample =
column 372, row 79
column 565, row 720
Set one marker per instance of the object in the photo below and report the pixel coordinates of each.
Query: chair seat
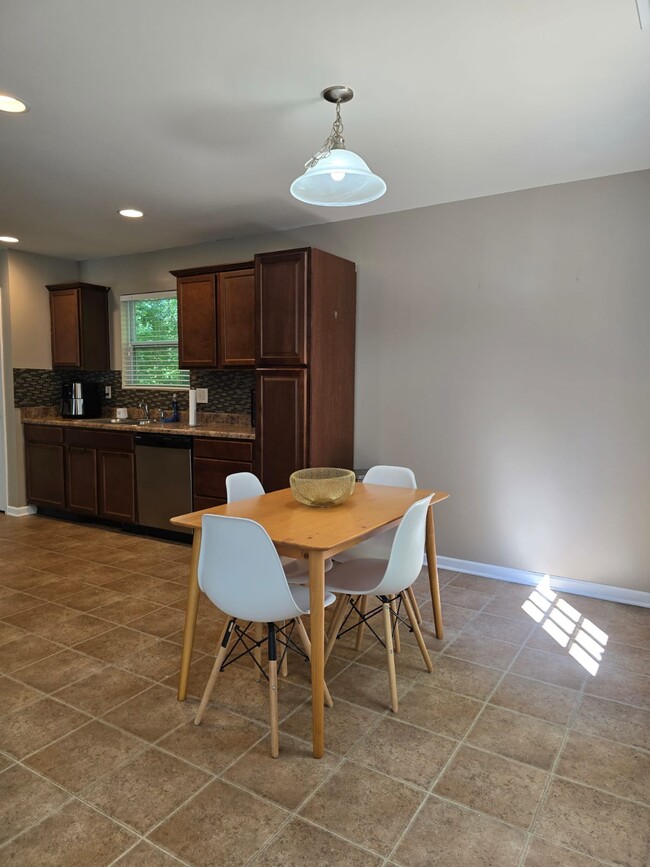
column 297, row 571
column 301, row 597
column 356, row 577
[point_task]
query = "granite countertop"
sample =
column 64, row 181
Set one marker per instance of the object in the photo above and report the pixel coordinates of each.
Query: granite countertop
column 217, row 425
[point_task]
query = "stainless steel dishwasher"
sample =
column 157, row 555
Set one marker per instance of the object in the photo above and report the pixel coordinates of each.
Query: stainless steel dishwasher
column 163, row 468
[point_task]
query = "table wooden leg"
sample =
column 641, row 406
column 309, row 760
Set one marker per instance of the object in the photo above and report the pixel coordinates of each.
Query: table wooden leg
column 190, row 617
column 432, row 567
column 317, row 608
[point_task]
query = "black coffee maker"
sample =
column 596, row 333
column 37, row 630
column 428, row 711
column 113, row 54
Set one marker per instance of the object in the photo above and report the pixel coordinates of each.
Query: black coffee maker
column 80, row 400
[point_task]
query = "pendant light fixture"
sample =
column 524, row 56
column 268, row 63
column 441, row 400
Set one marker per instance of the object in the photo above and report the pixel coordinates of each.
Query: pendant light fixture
column 336, row 177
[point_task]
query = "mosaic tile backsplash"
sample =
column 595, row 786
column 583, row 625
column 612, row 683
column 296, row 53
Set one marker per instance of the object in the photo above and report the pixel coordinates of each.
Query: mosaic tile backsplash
column 228, row 390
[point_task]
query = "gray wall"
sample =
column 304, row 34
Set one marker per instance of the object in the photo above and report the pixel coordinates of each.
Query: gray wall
column 26, row 340
column 503, row 354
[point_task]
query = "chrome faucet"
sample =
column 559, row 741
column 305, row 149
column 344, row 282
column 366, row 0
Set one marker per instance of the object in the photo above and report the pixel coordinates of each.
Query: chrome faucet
column 145, row 408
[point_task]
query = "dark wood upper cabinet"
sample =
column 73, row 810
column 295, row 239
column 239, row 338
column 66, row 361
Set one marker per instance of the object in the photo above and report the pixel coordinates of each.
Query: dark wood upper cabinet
column 197, row 321
column 80, row 330
column 281, row 284
column 236, row 317
column 216, row 316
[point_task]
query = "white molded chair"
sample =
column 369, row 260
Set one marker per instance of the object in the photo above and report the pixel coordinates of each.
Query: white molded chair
column 241, row 573
column 358, row 579
column 381, row 544
column 242, row 486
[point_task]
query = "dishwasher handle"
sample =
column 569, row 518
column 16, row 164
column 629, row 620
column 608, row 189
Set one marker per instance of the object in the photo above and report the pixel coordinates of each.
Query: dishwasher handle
column 163, row 441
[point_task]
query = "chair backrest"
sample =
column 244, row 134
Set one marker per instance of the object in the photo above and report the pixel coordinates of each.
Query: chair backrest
column 397, row 477
column 241, row 573
column 241, row 486
column 380, row 545
column 406, row 556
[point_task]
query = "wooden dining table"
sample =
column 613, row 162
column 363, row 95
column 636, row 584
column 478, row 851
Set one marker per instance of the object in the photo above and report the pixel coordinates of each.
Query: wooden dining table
column 313, row 534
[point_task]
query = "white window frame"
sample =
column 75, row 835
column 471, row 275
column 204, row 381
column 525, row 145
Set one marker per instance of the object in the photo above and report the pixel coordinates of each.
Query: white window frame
column 128, row 332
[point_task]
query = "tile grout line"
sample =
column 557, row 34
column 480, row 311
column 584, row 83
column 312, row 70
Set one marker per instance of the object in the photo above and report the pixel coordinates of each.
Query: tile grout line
column 551, row 774
column 443, row 770
column 375, row 724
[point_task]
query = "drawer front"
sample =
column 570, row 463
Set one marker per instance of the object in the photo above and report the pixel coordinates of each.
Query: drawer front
column 210, row 476
column 99, row 439
column 224, row 450
column 41, row 434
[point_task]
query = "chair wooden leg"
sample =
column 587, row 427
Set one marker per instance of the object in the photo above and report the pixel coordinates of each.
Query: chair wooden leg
column 363, row 607
column 284, row 665
column 397, row 644
column 221, row 655
column 302, row 632
column 392, row 677
column 336, row 625
column 273, row 692
column 412, row 616
column 414, row 602
column 335, row 609
column 258, row 652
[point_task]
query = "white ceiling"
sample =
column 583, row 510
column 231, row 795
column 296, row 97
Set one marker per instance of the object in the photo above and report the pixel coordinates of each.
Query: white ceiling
column 202, row 112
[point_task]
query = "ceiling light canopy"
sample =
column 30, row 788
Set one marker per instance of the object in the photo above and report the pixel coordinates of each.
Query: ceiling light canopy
column 336, row 177
column 11, row 104
column 8, row 239
column 133, row 213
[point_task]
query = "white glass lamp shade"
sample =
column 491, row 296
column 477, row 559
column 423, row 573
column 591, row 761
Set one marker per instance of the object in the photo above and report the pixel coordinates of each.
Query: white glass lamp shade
column 338, row 180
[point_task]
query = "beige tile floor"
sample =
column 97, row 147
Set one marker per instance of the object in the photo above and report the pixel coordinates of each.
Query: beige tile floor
column 510, row 753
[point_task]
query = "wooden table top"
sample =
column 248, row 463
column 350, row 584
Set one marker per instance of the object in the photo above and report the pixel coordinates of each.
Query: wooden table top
column 291, row 524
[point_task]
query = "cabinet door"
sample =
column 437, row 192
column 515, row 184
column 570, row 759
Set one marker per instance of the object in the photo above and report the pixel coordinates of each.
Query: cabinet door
column 210, row 476
column 281, row 442
column 197, row 321
column 45, row 474
column 66, row 328
column 281, row 301
column 116, row 473
column 81, row 480
column 236, row 305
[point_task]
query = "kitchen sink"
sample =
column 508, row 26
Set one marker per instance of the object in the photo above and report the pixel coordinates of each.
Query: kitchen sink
column 137, row 421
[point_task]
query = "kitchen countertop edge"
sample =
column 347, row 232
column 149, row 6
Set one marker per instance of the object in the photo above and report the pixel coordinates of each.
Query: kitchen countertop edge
column 218, row 431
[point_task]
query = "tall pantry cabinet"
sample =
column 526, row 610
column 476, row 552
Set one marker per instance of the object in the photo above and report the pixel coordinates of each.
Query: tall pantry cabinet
column 305, row 342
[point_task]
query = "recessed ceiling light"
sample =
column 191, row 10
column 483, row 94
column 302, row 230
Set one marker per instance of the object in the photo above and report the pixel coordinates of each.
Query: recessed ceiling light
column 11, row 104
column 7, row 239
column 130, row 212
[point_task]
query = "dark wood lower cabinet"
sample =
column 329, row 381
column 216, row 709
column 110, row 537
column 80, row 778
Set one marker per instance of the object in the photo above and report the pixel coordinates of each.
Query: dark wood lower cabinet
column 76, row 470
column 81, row 480
column 45, row 474
column 281, row 433
column 213, row 461
column 116, row 475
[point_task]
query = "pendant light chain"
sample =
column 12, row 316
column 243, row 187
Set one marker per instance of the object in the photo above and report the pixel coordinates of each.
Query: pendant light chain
column 334, row 140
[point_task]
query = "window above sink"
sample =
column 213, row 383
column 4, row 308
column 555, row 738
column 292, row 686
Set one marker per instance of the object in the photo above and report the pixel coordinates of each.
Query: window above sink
column 150, row 342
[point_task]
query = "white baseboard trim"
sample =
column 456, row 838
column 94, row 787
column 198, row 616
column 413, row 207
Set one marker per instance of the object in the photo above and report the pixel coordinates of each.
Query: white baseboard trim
column 20, row 511
column 565, row 585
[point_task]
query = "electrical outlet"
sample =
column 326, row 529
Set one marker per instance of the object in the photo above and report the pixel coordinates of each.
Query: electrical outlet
column 201, row 395
column 108, row 391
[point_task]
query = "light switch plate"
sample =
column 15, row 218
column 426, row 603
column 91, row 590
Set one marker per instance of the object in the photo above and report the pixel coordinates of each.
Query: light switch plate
column 201, row 395
column 108, row 391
